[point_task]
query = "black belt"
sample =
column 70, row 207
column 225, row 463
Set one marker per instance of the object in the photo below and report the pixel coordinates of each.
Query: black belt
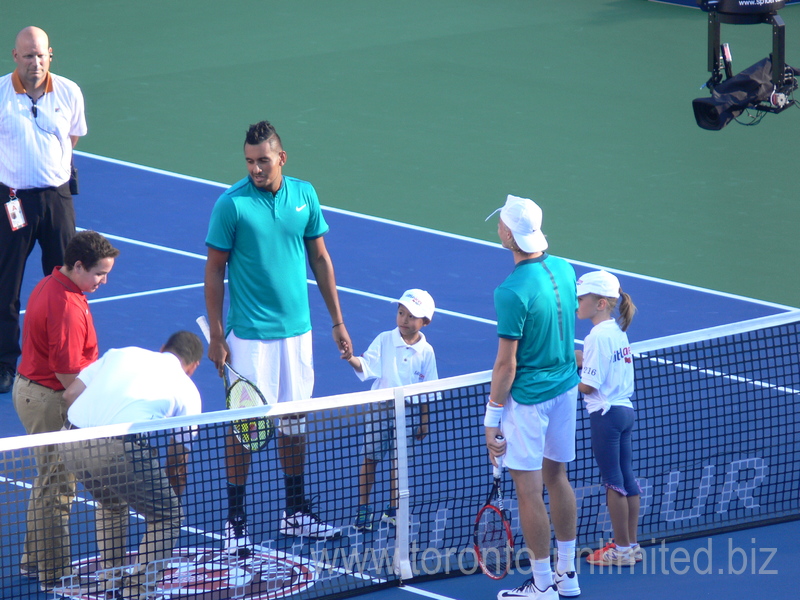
column 37, row 190
column 69, row 425
column 23, row 378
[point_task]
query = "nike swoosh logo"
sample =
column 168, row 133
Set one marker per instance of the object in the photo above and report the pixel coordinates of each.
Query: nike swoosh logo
column 299, row 208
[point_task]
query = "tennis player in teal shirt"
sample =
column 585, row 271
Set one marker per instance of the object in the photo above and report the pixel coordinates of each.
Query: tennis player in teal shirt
column 531, row 414
column 265, row 234
column 262, row 230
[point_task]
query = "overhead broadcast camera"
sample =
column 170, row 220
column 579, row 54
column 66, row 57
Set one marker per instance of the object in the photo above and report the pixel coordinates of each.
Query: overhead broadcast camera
column 765, row 87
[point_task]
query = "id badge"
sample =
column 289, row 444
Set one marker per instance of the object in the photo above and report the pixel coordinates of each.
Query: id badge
column 16, row 217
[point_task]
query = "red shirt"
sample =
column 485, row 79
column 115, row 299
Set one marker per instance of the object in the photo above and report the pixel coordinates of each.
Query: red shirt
column 58, row 333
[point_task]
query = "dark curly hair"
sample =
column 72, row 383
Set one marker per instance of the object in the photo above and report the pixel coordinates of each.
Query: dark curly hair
column 90, row 248
column 261, row 132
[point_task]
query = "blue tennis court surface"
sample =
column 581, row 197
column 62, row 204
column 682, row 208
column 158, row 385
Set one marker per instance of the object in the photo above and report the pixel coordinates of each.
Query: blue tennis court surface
column 754, row 563
column 159, row 220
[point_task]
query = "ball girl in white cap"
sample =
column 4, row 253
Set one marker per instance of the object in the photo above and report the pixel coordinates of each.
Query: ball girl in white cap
column 607, row 385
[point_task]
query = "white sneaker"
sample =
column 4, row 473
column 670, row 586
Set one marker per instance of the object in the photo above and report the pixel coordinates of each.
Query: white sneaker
column 609, row 556
column 567, row 584
column 237, row 541
column 638, row 553
column 530, row 591
column 389, row 516
column 307, row 524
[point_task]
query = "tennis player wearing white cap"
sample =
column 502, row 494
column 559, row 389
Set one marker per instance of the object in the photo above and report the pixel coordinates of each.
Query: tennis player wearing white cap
column 533, row 396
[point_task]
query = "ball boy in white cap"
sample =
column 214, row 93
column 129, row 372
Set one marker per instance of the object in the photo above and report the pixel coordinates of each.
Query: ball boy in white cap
column 607, row 385
column 533, row 396
column 398, row 357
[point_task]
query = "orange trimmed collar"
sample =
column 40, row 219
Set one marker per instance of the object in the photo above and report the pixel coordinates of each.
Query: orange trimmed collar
column 20, row 89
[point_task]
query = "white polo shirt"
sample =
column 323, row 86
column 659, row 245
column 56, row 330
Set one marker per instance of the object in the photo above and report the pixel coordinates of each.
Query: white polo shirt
column 607, row 367
column 36, row 151
column 131, row 385
column 392, row 363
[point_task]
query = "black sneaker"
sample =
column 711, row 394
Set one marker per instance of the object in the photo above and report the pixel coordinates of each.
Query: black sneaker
column 6, row 378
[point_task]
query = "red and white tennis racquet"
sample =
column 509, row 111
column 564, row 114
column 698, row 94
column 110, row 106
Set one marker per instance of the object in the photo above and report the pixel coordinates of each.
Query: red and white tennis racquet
column 492, row 538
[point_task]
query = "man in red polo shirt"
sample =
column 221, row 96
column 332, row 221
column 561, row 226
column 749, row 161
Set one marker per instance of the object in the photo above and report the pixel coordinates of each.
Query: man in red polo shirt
column 58, row 341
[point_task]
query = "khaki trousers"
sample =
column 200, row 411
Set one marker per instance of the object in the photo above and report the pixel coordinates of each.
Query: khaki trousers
column 47, row 542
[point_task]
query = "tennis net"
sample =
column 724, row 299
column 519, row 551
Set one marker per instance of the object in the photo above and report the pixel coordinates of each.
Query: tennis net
column 716, row 447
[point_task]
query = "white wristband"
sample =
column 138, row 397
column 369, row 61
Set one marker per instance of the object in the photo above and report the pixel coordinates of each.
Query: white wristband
column 493, row 416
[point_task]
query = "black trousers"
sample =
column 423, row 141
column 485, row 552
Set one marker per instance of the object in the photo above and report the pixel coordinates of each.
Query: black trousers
column 51, row 222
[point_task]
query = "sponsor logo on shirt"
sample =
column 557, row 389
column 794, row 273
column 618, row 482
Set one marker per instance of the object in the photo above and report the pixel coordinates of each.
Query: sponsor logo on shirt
column 622, row 354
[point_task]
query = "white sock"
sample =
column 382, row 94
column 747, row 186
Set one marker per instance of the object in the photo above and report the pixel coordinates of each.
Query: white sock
column 566, row 556
column 542, row 574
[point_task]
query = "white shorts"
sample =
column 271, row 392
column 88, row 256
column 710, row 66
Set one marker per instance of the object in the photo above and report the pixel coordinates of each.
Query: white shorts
column 537, row 431
column 282, row 369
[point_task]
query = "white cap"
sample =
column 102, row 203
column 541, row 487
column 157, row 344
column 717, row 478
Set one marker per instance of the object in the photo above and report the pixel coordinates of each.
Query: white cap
column 601, row 283
column 418, row 302
column 524, row 218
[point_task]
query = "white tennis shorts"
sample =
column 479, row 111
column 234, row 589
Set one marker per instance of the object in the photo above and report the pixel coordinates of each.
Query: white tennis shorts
column 282, row 369
column 536, row 431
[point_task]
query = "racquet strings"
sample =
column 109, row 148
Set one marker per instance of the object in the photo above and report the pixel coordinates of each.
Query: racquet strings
column 252, row 433
column 242, row 394
column 492, row 541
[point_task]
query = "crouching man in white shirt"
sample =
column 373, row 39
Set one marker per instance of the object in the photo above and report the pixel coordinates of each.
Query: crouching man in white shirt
column 121, row 472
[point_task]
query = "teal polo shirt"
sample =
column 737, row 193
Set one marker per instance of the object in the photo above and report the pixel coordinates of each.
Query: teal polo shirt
column 265, row 234
column 536, row 305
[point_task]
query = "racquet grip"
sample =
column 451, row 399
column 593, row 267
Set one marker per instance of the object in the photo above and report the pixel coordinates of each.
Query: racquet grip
column 203, row 324
column 498, row 470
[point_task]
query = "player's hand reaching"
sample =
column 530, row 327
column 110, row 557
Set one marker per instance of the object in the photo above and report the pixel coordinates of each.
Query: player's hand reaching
column 342, row 339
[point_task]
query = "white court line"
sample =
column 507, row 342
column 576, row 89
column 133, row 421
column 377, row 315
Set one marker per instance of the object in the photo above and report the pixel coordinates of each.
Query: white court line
column 93, row 504
column 722, row 375
column 195, row 531
column 141, row 294
column 439, row 233
column 147, row 293
column 426, row 593
column 119, row 238
column 341, row 288
column 215, row 536
column 440, row 311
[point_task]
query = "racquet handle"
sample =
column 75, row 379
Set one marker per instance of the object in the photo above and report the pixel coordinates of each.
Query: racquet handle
column 498, row 470
column 203, row 324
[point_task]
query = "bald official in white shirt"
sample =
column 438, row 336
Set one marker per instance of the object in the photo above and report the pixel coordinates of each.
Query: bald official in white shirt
column 41, row 119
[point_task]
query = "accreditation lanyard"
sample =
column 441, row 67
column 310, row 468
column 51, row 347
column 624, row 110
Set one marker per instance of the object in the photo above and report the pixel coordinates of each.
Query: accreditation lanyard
column 16, row 216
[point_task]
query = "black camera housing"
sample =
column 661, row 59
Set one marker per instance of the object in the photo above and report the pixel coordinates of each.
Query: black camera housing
column 735, row 7
column 765, row 86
